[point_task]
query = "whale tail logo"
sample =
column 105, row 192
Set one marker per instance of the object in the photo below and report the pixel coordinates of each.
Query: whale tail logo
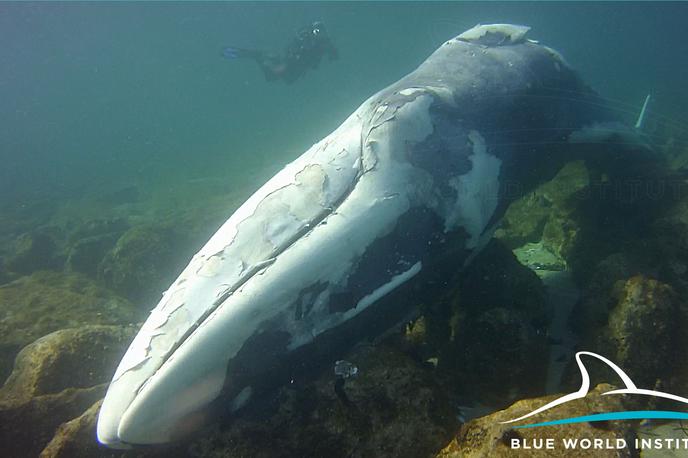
column 630, row 388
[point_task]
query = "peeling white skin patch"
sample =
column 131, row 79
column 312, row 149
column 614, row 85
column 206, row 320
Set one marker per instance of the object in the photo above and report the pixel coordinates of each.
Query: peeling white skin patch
column 478, row 192
column 508, row 33
column 409, row 91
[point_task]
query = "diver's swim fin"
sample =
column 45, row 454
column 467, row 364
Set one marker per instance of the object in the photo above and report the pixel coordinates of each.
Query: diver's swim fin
column 232, row 52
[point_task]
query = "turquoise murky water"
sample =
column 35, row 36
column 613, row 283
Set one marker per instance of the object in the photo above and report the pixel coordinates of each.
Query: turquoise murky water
column 139, row 92
column 127, row 138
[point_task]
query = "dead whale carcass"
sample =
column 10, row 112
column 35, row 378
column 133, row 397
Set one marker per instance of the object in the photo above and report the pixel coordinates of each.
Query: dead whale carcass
column 420, row 172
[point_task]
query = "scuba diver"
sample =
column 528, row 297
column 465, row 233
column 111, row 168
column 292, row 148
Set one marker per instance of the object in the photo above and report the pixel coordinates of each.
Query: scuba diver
column 303, row 52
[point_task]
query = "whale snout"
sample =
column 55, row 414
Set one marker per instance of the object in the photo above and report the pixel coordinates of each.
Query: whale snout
column 107, row 431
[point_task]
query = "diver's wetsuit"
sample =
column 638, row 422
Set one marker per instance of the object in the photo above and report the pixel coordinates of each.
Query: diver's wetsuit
column 303, row 52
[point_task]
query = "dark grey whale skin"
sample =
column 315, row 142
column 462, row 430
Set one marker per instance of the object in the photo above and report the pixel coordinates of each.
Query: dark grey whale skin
column 525, row 101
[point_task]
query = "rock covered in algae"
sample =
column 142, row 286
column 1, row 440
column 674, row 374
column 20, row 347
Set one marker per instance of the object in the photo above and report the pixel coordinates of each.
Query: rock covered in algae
column 31, row 252
column 90, row 241
column 26, row 428
column 55, row 379
column 488, row 328
column 670, row 233
column 638, row 324
column 144, row 261
column 140, row 255
column 646, row 311
column 487, row 437
column 86, row 254
column 43, row 302
column 75, row 438
column 547, row 214
column 69, row 358
column 396, row 409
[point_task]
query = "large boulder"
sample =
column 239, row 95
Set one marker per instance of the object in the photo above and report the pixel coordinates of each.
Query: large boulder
column 646, row 311
column 76, row 438
column 69, row 358
column 548, row 213
column 587, row 212
column 43, row 302
column 26, row 428
column 487, row 437
column 638, row 324
column 54, row 380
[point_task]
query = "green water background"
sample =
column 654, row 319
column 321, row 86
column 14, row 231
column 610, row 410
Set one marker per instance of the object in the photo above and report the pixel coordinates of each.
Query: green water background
column 95, row 96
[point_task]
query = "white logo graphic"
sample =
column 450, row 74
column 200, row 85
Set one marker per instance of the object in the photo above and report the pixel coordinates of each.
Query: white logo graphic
column 585, row 387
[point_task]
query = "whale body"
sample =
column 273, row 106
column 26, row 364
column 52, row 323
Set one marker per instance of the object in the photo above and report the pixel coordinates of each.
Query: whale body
column 417, row 177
